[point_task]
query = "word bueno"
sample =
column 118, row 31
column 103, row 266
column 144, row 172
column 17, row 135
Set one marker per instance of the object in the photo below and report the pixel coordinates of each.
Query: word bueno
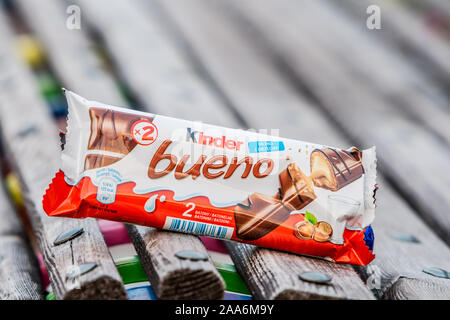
column 216, row 162
column 246, row 309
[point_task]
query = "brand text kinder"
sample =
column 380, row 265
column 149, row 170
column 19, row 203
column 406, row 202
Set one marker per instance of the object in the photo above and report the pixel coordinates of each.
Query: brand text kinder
column 210, row 140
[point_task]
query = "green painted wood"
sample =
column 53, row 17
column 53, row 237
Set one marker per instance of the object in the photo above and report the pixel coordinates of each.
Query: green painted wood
column 131, row 271
column 233, row 280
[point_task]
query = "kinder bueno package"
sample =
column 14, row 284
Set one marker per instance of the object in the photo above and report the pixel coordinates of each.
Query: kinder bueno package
column 184, row 176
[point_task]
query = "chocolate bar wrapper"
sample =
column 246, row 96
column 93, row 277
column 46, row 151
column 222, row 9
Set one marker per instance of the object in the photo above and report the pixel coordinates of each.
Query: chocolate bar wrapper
column 183, row 176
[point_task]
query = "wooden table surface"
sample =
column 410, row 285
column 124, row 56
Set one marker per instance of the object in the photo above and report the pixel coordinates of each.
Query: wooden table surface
column 311, row 70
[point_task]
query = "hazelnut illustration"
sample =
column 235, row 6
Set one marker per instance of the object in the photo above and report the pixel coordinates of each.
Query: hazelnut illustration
column 323, row 231
column 304, row 230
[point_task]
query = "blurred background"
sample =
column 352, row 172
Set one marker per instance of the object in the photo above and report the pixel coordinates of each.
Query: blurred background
column 342, row 73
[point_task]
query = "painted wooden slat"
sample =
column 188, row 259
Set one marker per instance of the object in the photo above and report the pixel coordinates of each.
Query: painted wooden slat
column 31, row 141
column 233, row 280
column 159, row 268
column 114, row 232
column 412, row 158
column 144, row 291
column 19, row 272
column 141, row 291
column 131, row 271
column 256, row 88
column 212, row 244
column 69, row 51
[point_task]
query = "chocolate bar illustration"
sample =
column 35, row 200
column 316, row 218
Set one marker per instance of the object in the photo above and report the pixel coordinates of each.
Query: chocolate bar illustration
column 295, row 187
column 333, row 169
column 99, row 161
column 110, row 131
column 258, row 215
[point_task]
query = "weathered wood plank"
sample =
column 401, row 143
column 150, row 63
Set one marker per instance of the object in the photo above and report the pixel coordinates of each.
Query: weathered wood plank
column 421, row 289
column 369, row 117
column 385, row 71
column 242, row 74
column 435, row 9
column 162, row 271
column 147, row 59
column 275, row 275
column 19, row 271
column 262, row 98
column 70, row 53
column 254, row 86
column 404, row 31
column 170, row 276
column 32, row 144
column 397, row 271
